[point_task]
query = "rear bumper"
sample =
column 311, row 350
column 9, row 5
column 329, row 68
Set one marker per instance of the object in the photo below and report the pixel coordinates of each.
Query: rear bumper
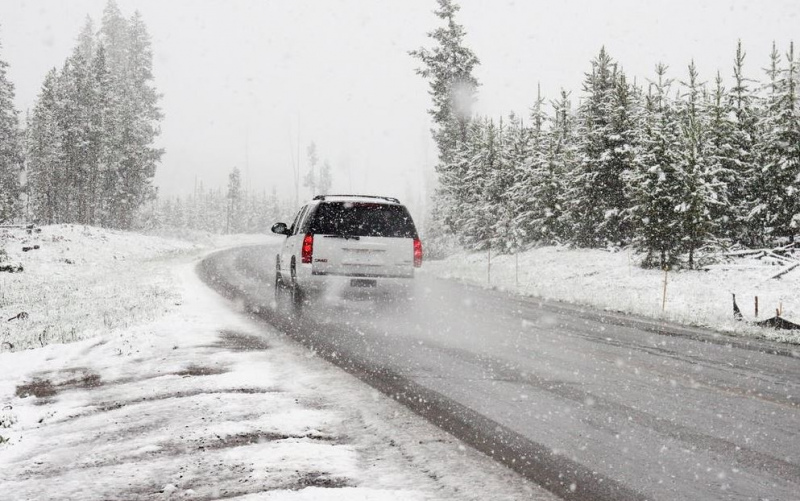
column 319, row 273
column 353, row 283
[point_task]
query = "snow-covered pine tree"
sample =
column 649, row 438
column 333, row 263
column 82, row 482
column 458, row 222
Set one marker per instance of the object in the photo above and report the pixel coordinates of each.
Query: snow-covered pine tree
column 70, row 132
column 654, row 185
column 310, row 179
column 234, row 202
column 743, row 154
column 448, row 66
column 325, row 180
column 83, row 144
column 702, row 189
column 131, row 120
column 526, row 148
column 623, row 146
column 102, row 126
column 140, row 125
column 454, row 197
column 179, row 213
column 777, row 206
column 597, row 198
column 558, row 158
column 722, row 161
column 475, row 210
column 44, row 155
column 500, row 204
column 11, row 158
column 114, row 33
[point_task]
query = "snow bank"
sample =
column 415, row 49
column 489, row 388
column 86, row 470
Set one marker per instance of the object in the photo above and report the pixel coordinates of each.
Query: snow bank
column 614, row 281
column 80, row 281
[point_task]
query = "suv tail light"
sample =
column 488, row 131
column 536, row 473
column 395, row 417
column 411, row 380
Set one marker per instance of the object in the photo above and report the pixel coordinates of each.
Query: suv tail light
column 308, row 248
column 417, row 253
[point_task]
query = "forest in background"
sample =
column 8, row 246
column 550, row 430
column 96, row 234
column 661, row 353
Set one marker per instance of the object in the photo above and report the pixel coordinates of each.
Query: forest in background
column 671, row 167
column 87, row 154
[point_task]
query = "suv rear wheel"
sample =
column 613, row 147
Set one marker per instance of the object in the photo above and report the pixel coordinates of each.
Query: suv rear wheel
column 279, row 285
column 296, row 294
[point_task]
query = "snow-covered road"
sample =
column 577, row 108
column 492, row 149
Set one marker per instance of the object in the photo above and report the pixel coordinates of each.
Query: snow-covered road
column 593, row 405
column 206, row 404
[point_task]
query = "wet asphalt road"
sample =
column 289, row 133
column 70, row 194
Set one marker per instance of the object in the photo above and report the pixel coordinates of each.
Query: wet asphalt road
column 590, row 405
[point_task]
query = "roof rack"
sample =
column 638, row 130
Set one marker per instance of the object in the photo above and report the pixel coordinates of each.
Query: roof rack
column 390, row 199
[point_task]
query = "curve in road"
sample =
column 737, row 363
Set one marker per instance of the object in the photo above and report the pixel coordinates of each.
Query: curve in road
column 590, row 405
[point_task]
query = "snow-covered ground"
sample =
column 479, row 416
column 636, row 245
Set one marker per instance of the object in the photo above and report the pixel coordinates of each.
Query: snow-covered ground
column 614, row 281
column 193, row 399
column 83, row 281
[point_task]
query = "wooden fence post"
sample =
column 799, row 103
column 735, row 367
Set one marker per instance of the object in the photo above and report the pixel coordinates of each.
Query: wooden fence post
column 489, row 267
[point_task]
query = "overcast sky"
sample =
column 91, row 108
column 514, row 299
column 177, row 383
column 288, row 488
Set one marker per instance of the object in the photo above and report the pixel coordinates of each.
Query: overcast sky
column 242, row 80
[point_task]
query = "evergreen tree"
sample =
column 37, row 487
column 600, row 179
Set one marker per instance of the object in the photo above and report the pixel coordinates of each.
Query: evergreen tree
column 105, row 127
column 325, row 178
column 597, row 199
column 139, row 123
column 777, row 206
column 455, row 197
column 525, row 144
column 234, row 198
column 723, row 162
column 701, row 188
column 743, row 185
column 81, row 144
column 10, row 150
column 520, row 154
column 558, row 157
column 45, row 155
column 498, row 206
column 114, row 33
column 655, row 184
column 448, row 66
column 481, row 189
column 310, row 180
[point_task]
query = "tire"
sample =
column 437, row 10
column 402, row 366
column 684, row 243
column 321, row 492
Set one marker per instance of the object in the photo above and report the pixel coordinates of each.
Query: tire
column 283, row 303
column 280, row 287
column 296, row 294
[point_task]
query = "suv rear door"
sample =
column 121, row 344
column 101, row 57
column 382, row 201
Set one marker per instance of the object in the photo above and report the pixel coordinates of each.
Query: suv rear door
column 363, row 239
column 292, row 244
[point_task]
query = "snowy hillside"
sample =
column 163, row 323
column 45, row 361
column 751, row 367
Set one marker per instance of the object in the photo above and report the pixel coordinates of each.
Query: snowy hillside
column 80, row 281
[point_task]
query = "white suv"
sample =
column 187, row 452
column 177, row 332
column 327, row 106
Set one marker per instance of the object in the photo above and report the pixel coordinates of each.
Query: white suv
column 343, row 243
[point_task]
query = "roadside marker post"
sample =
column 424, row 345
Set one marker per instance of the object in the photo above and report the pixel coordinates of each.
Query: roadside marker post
column 489, row 266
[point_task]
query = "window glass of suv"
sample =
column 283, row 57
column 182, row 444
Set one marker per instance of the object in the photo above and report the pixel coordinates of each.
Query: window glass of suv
column 305, row 220
column 361, row 219
column 297, row 219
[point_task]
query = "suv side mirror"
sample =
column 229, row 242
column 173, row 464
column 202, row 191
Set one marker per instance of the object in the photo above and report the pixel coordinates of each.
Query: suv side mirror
column 280, row 229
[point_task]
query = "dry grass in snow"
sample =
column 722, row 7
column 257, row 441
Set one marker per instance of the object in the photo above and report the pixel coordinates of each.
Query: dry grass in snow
column 83, row 281
column 614, row 281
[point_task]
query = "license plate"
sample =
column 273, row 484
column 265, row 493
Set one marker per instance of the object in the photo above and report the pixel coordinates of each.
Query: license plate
column 363, row 282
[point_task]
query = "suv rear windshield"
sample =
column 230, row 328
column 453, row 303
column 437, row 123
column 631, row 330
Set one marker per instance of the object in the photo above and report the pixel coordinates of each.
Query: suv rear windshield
column 359, row 219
